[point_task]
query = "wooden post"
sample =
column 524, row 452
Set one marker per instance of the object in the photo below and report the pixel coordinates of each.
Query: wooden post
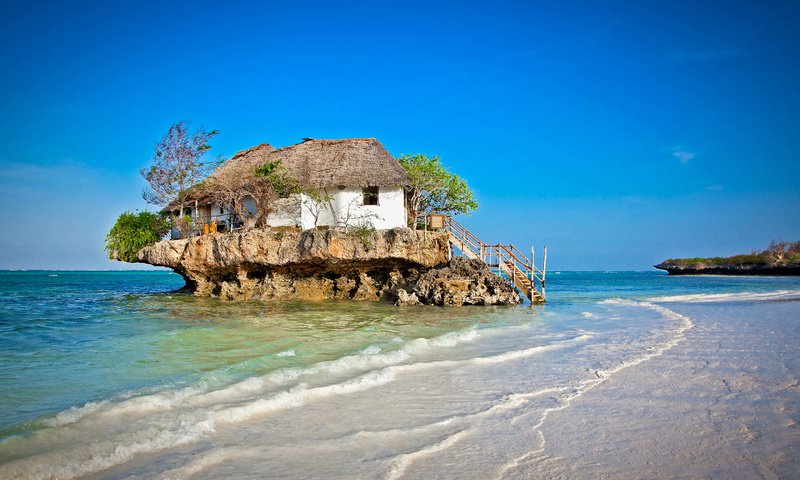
column 544, row 269
column 513, row 276
column 533, row 266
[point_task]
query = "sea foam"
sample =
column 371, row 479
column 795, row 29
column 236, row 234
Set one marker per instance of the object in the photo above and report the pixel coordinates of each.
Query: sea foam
column 730, row 297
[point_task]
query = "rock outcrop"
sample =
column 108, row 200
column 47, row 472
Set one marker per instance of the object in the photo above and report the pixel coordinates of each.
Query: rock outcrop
column 400, row 265
column 461, row 282
column 715, row 269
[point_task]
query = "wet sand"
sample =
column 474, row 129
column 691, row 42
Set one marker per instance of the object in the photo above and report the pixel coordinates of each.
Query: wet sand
column 723, row 403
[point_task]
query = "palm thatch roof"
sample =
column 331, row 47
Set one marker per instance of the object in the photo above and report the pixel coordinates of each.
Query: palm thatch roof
column 246, row 161
column 352, row 162
column 349, row 162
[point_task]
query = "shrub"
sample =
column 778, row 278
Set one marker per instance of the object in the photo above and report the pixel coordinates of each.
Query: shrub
column 132, row 232
column 364, row 232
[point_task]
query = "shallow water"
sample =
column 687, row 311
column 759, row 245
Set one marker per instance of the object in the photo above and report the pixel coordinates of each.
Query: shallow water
column 106, row 375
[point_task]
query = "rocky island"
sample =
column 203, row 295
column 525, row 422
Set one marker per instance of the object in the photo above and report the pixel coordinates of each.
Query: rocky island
column 401, row 265
column 321, row 219
column 780, row 258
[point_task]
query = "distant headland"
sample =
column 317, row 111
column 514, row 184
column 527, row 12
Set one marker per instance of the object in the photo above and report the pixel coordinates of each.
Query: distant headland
column 780, row 258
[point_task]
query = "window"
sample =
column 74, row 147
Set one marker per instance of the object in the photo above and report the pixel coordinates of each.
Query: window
column 371, row 196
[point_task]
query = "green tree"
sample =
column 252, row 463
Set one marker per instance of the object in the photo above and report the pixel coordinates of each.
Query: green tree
column 178, row 163
column 434, row 188
column 132, row 232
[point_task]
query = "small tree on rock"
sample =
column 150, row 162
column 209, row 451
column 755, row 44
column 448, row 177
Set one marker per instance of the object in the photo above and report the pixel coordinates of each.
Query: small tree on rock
column 434, row 188
column 315, row 201
column 178, row 163
column 132, row 232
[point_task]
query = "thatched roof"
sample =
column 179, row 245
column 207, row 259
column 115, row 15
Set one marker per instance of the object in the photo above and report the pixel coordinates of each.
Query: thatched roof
column 245, row 161
column 242, row 163
column 351, row 162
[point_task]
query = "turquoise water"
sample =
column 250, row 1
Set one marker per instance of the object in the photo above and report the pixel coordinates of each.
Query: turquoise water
column 76, row 344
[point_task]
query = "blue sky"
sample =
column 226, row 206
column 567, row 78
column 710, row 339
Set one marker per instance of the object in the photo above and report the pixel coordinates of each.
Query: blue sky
column 619, row 135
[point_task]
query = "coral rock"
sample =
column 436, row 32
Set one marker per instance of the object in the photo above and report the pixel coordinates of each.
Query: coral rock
column 400, row 265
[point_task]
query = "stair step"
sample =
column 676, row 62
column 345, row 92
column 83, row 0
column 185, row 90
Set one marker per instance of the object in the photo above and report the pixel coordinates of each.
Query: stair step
column 519, row 278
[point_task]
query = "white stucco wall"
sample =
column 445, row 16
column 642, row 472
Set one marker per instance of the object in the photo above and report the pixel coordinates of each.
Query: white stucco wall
column 346, row 205
column 286, row 212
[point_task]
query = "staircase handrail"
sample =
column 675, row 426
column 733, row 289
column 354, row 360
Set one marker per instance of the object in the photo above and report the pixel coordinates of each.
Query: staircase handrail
column 527, row 261
column 523, row 264
column 464, row 235
column 522, row 272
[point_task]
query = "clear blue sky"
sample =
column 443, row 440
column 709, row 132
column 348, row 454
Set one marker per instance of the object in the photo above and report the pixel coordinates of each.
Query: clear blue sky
column 617, row 134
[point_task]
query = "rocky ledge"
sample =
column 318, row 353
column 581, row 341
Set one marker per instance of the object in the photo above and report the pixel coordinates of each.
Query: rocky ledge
column 403, row 266
column 716, row 269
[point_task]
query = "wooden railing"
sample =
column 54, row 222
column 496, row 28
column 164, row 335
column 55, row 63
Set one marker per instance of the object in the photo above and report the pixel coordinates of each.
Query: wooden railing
column 506, row 260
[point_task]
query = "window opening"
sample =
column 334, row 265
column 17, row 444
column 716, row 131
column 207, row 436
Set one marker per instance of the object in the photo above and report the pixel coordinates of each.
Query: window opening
column 370, row 195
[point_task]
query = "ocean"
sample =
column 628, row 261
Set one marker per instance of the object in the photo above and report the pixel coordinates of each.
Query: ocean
column 620, row 375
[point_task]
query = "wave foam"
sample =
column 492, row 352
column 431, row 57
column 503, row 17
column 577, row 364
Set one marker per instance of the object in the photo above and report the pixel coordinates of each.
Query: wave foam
column 100, row 435
column 730, row 297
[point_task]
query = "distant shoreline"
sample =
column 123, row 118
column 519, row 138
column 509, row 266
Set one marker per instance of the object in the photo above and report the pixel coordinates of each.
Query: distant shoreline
column 780, row 259
column 788, row 271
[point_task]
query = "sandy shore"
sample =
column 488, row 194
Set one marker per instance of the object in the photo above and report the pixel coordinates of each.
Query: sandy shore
column 724, row 403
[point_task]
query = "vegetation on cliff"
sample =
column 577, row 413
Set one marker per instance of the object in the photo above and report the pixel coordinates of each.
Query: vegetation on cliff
column 779, row 255
column 134, row 231
column 434, row 188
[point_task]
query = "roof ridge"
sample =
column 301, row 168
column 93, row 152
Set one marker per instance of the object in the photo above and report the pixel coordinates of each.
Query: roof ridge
column 329, row 141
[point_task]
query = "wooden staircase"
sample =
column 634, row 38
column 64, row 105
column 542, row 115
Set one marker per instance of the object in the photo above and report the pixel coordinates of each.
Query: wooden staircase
column 505, row 260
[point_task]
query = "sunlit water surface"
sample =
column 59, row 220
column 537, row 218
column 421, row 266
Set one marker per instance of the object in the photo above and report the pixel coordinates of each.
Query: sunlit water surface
column 107, row 374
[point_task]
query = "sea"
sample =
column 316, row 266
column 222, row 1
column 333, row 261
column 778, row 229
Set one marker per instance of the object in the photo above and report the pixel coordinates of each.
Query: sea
column 112, row 375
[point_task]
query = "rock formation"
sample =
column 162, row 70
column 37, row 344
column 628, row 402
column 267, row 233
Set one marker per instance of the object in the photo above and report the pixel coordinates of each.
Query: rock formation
column 400, row 265
column 700, row 268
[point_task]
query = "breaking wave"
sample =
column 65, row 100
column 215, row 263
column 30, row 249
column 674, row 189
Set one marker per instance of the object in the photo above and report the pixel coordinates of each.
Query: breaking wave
column 730, row 297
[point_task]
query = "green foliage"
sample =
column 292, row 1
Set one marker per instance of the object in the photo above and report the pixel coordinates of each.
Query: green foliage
column 132, row 232
column 365, row 232
column 280, row 180
column 434, row 188
column 778, row 253
column 267, row 169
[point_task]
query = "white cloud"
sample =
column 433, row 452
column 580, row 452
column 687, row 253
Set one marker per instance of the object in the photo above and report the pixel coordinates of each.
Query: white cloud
column 684, row 156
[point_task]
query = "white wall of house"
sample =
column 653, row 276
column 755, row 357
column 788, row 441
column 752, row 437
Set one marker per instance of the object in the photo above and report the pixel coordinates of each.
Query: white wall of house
column 285, row 213
column 219, row 211
column 347, row 206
